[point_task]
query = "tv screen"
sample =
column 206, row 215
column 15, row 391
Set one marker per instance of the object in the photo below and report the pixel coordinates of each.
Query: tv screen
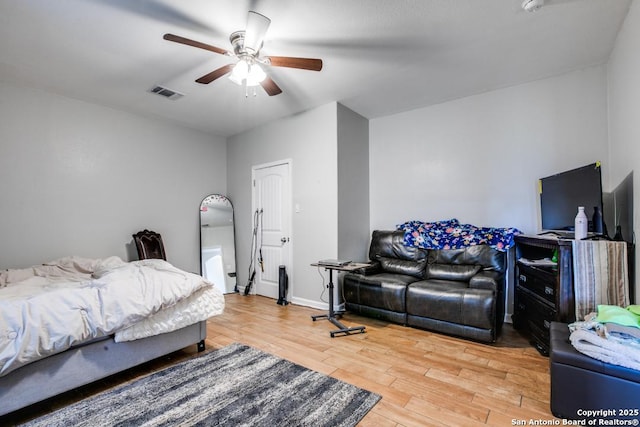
column 561, row 194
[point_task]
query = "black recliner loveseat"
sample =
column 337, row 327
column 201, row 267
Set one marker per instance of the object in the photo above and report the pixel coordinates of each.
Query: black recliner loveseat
column 458, row 292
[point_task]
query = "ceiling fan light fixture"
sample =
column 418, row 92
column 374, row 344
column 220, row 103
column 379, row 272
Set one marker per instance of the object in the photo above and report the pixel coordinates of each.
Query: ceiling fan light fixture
column 245, row 73
column 256, row 75
column 240, row 72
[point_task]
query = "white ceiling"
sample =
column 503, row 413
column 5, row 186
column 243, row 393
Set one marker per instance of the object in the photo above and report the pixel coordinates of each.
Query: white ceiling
column 380, row 56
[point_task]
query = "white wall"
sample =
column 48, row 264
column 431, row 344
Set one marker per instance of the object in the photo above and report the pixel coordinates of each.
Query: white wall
column 79, row 179
column 624, row 111
column 478, row 159
column 309, row 140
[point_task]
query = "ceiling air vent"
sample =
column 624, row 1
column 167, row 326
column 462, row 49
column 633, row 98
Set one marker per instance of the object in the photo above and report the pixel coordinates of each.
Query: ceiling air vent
column 167, row 93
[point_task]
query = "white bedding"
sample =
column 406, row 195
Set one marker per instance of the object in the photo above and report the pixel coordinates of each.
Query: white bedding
column 47, row 309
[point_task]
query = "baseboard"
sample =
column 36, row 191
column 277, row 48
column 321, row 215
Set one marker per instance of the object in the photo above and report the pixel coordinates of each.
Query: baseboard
column 316, row 304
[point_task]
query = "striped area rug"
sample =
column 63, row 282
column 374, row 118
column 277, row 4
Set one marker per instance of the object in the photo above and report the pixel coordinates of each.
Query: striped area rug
column 234, row 386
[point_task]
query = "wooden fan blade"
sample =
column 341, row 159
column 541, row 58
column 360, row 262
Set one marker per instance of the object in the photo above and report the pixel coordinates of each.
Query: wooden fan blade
column 270, row 86
column 302, row 63
column 189, row 42
column 208, row 78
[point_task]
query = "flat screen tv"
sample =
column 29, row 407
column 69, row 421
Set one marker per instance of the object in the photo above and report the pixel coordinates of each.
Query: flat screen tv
column 562, row 193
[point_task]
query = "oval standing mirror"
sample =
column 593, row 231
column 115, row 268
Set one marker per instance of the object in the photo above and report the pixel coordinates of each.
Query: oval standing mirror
column 217, row 242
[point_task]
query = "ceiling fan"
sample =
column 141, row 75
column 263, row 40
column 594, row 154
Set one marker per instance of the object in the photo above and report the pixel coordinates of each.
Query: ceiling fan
column 247, row 70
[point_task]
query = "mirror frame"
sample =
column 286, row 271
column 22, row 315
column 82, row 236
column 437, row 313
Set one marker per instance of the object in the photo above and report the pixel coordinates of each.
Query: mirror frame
column 213, row 200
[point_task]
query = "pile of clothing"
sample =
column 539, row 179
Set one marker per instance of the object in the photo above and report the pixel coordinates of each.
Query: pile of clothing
column 611, row 335
column 451, row 234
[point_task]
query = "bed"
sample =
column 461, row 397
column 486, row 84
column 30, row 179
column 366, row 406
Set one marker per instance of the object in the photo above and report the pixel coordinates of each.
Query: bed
column 75, row 320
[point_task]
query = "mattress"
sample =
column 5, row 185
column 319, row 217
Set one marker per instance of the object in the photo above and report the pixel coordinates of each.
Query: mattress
column 47, row 309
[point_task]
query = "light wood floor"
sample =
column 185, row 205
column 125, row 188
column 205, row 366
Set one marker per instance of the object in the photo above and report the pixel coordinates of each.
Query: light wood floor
column 424, row 378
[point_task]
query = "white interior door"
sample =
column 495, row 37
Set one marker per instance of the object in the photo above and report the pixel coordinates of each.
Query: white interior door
column 272, row 200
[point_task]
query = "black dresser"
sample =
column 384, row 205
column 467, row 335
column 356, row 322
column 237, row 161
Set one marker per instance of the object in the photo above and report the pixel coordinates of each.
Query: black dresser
column 543, row 289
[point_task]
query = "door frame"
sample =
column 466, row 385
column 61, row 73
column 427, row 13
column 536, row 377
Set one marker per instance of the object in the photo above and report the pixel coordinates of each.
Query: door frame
column 288, row 207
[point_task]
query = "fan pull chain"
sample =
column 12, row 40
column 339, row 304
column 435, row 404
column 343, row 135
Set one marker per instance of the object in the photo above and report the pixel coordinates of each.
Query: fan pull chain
column 246, row 91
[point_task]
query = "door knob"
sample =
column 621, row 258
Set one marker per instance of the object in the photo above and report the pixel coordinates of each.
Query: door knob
column 284, row 239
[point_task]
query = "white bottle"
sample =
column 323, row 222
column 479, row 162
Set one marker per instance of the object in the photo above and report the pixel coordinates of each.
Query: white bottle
column 581, row 224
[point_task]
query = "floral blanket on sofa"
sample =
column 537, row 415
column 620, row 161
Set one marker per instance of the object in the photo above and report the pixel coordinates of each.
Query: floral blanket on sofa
column 451, row 234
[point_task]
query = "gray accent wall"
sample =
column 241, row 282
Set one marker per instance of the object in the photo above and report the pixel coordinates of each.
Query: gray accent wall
column 78, row 179
column 313, row 141
column 353, row 185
